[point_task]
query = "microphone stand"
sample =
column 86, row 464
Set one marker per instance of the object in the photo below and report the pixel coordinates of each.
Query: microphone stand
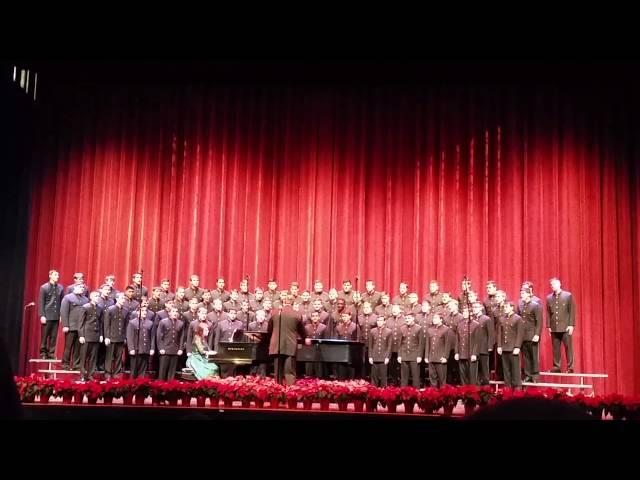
column 466, row 292
column 279, row 359
column 246, row 277
column 140, row 325
column 24, row 321
column 358, row 320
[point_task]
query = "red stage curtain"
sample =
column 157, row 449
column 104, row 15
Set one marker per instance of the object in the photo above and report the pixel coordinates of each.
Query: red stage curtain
column 392, row 183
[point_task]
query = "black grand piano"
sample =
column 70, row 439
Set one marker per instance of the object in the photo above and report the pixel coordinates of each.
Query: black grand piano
column 254, row 348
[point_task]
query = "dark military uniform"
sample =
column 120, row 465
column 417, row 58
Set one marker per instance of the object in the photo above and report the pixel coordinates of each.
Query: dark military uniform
column 189, row 316
column 258, row 327
column 72, row 314
column 207, row 305
column 486, row 343
column 226, row 331
column 451, row 320
column 510, row 334
column 166, row 296
column 561, row 313
column 191, row 292
column 374, row 298
column 435, row 299
column 330, row 306
column 379, row 351
column 468, row 344
column 170, row 338
column 113, row 293
column 223, row 295
column 402, row 300
column 383, row 310
column 424, row 319
column 489, row 303
column 106, row 302
column 255, row 305
column 495, row 360
column 413, row 308
column 314, row 331
column 131, row 304
column 351, row 332
column 142, row 343
column 463, row 300
column 324, row 317
column 139, row 292
column 437, row 346
column 366, row 323
column 347, row 297
column 394, row 324
column 272, row 295
column 261, row 369
column 411, row 348
column 348, row 331
column 335, row 319
column 531, row 314
column 216, row 317
column 115, row 329
column 155, row 305
column 245, row 297
column 181, row 305
column 441, row 310
column 305, row 308
column 85, row 289
column 50, row 300
column 229, row 304
column 322, row 296
column 91, row 331
column 246, row 318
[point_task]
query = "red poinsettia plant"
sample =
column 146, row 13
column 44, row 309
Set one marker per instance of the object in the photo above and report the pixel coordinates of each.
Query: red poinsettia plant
column 141, row 387
column 27, row 387
column 266, row 389
column 117, row 388
column 64, row 388
column 409, row 394
column 45, row 387
column 340, row 392
column 391, row 395
column 449, row 395
column 171, row 390
column 430, row 400
column 92, row 390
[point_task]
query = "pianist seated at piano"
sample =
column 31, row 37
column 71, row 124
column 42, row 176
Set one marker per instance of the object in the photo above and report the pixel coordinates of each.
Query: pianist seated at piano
column 198, row 362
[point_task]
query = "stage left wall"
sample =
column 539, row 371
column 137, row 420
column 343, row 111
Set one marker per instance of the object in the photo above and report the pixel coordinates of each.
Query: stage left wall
column 16, row 119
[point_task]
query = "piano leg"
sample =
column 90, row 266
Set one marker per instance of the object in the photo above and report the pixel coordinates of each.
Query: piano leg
column 227, row 370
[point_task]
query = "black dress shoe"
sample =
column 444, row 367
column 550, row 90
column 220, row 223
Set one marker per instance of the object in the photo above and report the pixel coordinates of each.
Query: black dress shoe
column 569, row 370
column 555, row 370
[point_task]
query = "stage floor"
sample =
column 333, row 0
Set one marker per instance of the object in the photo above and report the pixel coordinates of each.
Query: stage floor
column 57, row 410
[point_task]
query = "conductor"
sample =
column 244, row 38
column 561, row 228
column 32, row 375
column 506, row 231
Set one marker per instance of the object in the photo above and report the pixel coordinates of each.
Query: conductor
column 284, row 328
